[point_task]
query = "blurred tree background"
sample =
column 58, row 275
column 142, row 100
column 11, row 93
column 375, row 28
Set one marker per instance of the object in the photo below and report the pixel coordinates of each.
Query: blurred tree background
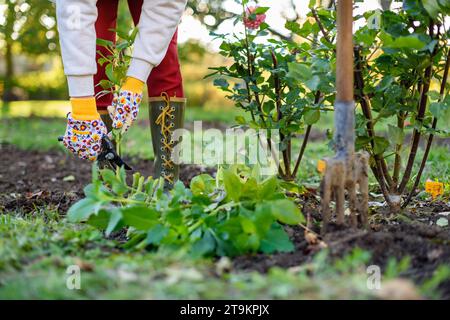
column 28, row 47
column 31, row 67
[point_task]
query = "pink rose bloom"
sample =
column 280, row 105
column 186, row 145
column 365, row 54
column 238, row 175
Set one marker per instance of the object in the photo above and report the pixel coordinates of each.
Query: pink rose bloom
column 252, row 22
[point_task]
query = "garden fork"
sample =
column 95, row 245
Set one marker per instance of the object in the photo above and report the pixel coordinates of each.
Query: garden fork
column 347, row 169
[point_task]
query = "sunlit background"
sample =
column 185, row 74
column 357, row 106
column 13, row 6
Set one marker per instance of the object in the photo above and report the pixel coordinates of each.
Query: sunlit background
column 31, row 68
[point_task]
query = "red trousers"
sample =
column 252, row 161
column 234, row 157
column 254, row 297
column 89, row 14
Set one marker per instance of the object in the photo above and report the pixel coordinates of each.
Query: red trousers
column 164, row 78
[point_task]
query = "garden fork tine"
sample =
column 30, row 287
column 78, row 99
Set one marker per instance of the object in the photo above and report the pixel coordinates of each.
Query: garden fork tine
column 347, row 169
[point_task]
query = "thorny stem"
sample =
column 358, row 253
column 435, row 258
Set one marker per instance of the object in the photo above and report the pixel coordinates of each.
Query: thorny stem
column 420, row 116
column 325, row 34
column 250, row 71
column 306, row 138
column 277, row 89
column 398, row 150
column 302, row 150
column 380, row 169
column 431, row 137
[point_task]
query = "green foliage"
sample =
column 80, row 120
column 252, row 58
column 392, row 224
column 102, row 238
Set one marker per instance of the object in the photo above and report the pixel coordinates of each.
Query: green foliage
column 284, row 85
column 116, row 62
column 235, row 213
column 117, row 59
column 26, row 26
column 430, row 287
column 436, row 7
column 400, row 62
column 33, row 24
column 35, row 251
column 29, row 238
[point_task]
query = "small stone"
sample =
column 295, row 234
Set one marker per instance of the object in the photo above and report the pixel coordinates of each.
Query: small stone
column 442, row 222
column 434, row 254
column 224, row 265
column 69, row 178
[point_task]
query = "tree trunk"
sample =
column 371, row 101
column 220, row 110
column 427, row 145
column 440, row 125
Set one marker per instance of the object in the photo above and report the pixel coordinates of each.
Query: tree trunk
column 9, row 74
column 9, row 62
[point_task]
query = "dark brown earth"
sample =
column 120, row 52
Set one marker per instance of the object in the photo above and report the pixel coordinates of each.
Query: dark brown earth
column 32, row 179
column 414, row 234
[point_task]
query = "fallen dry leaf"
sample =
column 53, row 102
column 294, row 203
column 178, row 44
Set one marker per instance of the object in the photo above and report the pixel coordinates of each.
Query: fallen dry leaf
column 313, row 240
column 37, row 195
column 84, row 266
column 69, row 178
column 398, row 289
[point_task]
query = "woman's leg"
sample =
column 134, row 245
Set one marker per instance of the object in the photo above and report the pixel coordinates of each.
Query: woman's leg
column 166, row 77
column 106, row 21
column 165, row 90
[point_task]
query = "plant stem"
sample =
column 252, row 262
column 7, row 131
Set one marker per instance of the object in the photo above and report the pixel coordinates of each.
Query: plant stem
column 431, row 136
column 277, row 90
column 380, row 169
column 419, row 119
column 302, row 150
column 306, row 138
column 321, row 27
column 398, row 150
column 214, row 213
column 250, row 72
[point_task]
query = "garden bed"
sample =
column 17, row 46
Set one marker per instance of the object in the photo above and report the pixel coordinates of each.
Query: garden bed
column 33, row 179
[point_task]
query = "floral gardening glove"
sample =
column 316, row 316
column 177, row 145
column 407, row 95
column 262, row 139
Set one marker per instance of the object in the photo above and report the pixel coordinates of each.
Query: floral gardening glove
column 85, row 130
column 125, row 106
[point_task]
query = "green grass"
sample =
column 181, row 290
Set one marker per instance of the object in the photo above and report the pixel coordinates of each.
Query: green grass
column 41, row 134
column 36, row 125
column 37, row 249
column 59, row 109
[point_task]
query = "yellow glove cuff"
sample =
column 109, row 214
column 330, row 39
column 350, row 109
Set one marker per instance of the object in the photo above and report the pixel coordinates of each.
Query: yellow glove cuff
column 133, row 85
column 84, row 109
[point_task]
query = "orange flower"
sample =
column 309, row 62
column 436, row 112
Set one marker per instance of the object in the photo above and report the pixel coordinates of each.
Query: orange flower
column 434, row 188
column 321, row 166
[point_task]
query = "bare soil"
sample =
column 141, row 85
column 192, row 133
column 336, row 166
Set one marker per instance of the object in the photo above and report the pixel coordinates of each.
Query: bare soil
column 33, row 179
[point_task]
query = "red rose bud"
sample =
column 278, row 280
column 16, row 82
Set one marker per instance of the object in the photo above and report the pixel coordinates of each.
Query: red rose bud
column 253, row 20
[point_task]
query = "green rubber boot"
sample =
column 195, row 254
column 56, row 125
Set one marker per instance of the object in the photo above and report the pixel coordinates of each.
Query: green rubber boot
column 166, row 116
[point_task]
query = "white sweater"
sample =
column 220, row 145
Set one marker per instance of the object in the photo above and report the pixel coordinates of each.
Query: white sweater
column 76, row 25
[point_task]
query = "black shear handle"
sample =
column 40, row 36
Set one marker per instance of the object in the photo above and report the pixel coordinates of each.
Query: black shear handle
column 108, row 154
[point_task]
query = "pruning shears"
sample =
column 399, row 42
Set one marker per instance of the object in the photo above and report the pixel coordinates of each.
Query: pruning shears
column 109, row 154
